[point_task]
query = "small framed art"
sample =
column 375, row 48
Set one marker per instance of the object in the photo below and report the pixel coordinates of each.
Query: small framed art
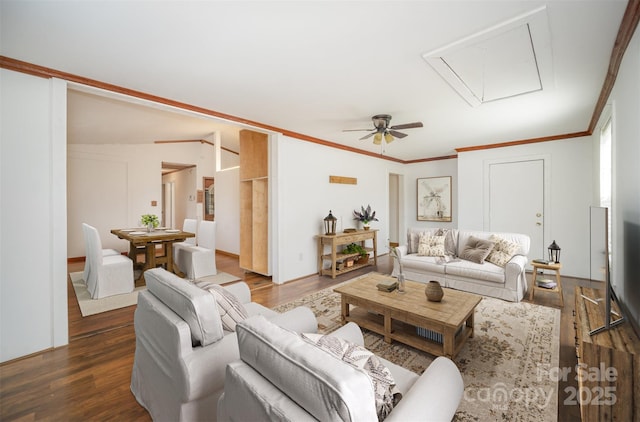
column 434, row 199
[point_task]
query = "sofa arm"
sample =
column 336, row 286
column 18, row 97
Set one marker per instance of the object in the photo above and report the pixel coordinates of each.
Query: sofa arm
column 402, row 252
column 435, row 396
column 349, row 332
column 514, row 268
column 299, row 320
column 240, row 290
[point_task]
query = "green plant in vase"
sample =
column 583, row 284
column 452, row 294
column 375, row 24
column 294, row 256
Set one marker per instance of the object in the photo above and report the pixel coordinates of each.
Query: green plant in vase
column 366, row 215
column 150, row 221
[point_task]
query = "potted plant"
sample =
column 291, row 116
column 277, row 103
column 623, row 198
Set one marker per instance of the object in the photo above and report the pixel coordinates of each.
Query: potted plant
column 355, row 248
column 150, row 221
column 365, row 215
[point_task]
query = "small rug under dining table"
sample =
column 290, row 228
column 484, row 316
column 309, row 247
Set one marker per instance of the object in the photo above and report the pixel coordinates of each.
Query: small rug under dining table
column 89, row 306
column 505, row 365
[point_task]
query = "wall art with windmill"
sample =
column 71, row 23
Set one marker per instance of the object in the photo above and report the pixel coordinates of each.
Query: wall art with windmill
column 434, row 199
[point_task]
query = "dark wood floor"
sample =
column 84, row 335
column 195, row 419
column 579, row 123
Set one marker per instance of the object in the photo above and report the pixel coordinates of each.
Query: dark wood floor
column 89, row 378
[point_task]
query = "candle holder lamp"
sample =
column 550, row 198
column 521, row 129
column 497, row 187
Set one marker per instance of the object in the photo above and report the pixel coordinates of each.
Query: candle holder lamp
column 330, row 224
column 554, row 252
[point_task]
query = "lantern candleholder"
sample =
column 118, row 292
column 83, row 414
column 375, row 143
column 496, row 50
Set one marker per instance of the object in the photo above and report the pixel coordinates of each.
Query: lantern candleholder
column 554, row 253
column 330, row 224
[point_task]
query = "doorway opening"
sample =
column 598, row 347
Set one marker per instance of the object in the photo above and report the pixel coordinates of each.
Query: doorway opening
column 179, row 193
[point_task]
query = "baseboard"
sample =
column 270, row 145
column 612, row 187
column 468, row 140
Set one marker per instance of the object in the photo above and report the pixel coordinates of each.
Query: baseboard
column 233, row 255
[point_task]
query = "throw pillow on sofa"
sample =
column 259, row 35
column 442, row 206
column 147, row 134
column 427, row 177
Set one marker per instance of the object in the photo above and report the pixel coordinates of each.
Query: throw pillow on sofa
column 413, row 239
column 387, row 394
column 450, row 247
column 230, row 309
column 476, row 250
column 431, row 245
column 502, row 251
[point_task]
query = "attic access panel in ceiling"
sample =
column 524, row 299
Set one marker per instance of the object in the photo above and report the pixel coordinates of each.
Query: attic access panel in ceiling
column 510, row 59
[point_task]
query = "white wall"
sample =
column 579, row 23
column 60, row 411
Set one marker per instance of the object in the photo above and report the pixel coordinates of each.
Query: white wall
column 571, row 194
column 33, row 274
column 305, row 197
column 625, row 99
column 228, row 210
column 133, row 175
column 228, row 159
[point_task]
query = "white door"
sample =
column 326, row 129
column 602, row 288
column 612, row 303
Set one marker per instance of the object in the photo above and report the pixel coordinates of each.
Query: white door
column 516, row 201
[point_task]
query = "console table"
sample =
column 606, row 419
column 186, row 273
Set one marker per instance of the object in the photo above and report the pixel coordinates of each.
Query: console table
column 604, row 395
column 339, row 239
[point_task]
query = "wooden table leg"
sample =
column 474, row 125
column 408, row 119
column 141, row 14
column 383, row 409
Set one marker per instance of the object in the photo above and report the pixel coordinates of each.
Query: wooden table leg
column 448, row 342
column 168, row 251
column 387, row 327
column 345, row 310
column 469, row 323
column 559, row 287
column 150, row 256
column 534, row 275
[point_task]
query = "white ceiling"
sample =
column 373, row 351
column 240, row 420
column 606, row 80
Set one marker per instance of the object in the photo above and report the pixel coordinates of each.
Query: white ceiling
column 315, row 67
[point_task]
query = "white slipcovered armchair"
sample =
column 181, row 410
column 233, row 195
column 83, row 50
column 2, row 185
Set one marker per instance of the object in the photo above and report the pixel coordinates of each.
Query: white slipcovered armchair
column 282, row 377
column 200, row 261
column 87, row 245
column 182, row 349
column 189, row 225
column 108, row 275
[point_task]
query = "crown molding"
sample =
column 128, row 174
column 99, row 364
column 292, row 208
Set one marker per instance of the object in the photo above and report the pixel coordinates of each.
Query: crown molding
column 627, row 28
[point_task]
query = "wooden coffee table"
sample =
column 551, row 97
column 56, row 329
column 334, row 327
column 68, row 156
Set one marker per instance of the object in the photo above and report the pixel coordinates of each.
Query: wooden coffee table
column 396, row 316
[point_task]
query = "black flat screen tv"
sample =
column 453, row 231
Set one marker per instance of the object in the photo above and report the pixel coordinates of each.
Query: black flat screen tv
column 601, row 267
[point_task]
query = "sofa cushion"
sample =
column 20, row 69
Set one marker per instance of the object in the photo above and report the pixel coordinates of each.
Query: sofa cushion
column 476, row 250
column 467, row 269
column 450, row 241
column 431, row 245
column 422, row 263
column 194, row 305
column 502, row 251
column 384, row 386
column 230, row 309
column 327, row 388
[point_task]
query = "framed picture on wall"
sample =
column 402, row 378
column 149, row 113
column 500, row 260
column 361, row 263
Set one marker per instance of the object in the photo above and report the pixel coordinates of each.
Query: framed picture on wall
column 434, row 199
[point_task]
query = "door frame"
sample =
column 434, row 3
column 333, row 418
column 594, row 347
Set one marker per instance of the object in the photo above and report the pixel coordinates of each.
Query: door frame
column 398, row 222
column 546, row 200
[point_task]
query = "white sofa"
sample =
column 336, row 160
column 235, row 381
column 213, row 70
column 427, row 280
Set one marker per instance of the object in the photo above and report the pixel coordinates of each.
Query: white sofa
column 507, row 283
column 282, row 377
column 182, row 349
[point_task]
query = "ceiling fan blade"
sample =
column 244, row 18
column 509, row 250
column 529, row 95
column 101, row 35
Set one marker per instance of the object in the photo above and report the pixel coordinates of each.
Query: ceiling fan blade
column 407, row 126
column 356, row 130
column 368, row 136
column 397, row 134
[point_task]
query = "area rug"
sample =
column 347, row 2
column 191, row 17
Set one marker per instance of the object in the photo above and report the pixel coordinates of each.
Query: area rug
column 505, row 366
column 90, row 306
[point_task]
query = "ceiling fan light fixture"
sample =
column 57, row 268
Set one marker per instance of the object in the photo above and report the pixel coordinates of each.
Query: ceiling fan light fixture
column 383, row 130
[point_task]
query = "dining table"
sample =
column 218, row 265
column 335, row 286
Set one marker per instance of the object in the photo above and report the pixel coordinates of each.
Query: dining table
column 149, row 240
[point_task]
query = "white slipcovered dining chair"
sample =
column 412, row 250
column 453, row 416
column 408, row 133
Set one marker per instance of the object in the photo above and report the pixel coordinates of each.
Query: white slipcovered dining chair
column 200, row 261
column 87, row 262
column 190, row 225
column 108, row 275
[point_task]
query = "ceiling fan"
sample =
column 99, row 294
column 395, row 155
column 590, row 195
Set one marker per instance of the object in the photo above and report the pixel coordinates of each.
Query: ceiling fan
column 382, row 129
